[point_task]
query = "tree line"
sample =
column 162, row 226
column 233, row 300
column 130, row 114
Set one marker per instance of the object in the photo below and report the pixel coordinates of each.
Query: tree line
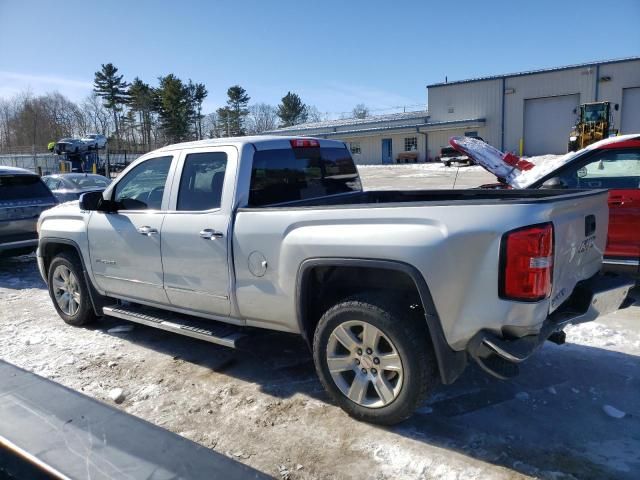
column 137, row 115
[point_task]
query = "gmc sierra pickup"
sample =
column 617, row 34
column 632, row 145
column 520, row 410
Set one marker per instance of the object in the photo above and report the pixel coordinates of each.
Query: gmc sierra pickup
column 208, row 238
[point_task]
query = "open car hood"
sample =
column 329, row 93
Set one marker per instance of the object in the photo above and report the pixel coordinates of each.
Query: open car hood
column 518, row 172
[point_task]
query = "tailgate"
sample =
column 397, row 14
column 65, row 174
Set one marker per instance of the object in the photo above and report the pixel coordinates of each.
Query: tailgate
column 580, row 225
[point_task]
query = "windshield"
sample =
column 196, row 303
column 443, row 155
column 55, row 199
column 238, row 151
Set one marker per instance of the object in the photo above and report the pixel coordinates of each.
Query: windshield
column 594, row 113
column 290, row 174
column 89, row 182
column 22, row 187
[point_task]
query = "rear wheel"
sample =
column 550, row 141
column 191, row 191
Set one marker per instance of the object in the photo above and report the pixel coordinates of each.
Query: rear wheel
column 375, row 360
column 69, row 291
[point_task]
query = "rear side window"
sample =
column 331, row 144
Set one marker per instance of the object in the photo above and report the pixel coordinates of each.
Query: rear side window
column 290, row 174
column 22, row 187
column 202, row 180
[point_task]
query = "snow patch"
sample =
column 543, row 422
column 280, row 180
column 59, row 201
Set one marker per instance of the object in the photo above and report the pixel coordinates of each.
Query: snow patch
column 613, row 411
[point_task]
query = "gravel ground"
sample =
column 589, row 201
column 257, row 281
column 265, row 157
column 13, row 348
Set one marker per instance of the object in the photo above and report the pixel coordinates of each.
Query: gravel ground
column 265, row 407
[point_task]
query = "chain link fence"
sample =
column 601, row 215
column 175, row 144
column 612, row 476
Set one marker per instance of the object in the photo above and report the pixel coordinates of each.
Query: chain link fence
column 46, row 163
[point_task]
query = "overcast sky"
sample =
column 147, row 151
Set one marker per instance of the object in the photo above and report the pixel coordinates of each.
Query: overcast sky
column 335, row 54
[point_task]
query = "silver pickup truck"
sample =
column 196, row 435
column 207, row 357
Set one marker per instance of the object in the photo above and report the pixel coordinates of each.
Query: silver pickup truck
column 392, row 290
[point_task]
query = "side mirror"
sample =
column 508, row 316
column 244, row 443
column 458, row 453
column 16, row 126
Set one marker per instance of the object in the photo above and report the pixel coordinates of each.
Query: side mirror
column 553, row 183
column 90, row 201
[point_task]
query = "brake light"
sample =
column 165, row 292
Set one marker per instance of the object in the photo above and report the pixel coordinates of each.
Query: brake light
column 526, row 263
column 304, row 143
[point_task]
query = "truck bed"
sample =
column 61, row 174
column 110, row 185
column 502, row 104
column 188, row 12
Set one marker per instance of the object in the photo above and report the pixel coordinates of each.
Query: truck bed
column 371, row 198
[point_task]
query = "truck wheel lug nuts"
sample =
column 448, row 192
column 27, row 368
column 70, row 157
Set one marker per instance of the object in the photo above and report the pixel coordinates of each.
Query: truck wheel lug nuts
column 357, row 361
column 376, row 361
column 364, row 370
column 369, row 351
column 359, row 351
column 374, row 371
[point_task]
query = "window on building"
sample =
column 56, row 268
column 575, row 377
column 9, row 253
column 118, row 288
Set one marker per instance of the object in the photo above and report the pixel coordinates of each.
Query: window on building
column 411, row 144
column 355, row 148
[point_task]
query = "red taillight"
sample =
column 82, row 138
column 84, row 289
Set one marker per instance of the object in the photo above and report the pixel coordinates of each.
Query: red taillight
column 304, row 143
column 527, row 263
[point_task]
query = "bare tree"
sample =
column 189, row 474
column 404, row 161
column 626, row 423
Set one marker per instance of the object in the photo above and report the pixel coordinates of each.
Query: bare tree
column 97, row 119
column 262, row 117
column 360, row 111
column 314, row 115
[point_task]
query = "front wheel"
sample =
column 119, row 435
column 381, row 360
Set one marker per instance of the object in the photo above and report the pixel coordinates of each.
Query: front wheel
column 375, row 360
column 69, row 291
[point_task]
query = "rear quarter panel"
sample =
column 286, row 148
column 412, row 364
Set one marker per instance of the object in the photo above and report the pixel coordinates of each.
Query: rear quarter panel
column 456, row 247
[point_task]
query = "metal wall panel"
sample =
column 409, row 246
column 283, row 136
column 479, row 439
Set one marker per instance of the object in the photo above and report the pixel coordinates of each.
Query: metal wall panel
column 614, row 79
column 463, row 101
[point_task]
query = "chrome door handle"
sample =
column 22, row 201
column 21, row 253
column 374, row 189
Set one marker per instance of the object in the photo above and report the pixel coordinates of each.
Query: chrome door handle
column 147, row 230
column 210, row 234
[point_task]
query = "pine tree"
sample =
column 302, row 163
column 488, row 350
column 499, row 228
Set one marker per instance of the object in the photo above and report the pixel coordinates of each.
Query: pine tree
column 141, row 100
column 199, row 94
column 291, row 110
column 108, row 85
column 236, row 110
column 173, row 106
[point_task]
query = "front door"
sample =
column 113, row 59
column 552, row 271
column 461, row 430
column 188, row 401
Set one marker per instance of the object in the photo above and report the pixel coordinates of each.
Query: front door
column 125, row 246
column 619, row 171
column 387, row 152
column 195, row 239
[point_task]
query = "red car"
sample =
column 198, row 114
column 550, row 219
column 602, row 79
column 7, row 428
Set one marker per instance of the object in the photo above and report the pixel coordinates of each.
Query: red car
column 613, row 163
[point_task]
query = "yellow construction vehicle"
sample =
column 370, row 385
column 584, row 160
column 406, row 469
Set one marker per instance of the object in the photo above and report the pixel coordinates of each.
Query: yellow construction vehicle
column 594, row 123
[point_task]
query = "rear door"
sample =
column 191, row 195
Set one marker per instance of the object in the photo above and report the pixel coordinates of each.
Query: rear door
column 23, row 197
column 195, row 233
column 125, row 246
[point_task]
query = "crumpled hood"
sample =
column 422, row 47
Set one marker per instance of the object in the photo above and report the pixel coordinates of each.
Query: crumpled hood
column 518, row 172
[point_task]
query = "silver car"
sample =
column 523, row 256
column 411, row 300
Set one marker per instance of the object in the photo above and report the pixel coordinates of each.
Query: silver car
column 70, row 145
column 95, row 141
column 69, row 186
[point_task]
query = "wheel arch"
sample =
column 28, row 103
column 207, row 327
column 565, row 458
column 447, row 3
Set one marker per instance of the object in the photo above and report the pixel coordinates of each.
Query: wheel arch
column 50, row 247
column 451, row 363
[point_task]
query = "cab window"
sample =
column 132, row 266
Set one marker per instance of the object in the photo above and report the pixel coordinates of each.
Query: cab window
column 613, row 169
column 201, row 181
column 142, row 187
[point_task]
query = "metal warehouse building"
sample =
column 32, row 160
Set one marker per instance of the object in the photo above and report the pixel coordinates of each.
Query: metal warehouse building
column 527, row 112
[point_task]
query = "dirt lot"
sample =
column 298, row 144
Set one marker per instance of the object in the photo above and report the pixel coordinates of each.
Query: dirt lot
column 265, row 407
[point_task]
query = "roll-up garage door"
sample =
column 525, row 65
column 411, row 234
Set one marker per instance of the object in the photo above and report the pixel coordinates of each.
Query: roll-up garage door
column 630, row 110
column 547, row 123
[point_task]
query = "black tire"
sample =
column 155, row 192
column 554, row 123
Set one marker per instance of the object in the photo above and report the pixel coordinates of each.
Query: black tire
column 447, row 164
column 408, row 334
column 85, row 313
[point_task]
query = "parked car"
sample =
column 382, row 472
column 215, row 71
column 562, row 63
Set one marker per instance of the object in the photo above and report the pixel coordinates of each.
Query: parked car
column 612, row 164
column 206, row 238
column 23, row 196
column 69, row 186
column 70, row 145
column 95, row 141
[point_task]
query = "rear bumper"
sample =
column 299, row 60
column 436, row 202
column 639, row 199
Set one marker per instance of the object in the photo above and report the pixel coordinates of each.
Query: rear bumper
column 598, row 296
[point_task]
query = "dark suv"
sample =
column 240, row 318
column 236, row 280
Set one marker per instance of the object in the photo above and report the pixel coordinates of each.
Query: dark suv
column 23, row 196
